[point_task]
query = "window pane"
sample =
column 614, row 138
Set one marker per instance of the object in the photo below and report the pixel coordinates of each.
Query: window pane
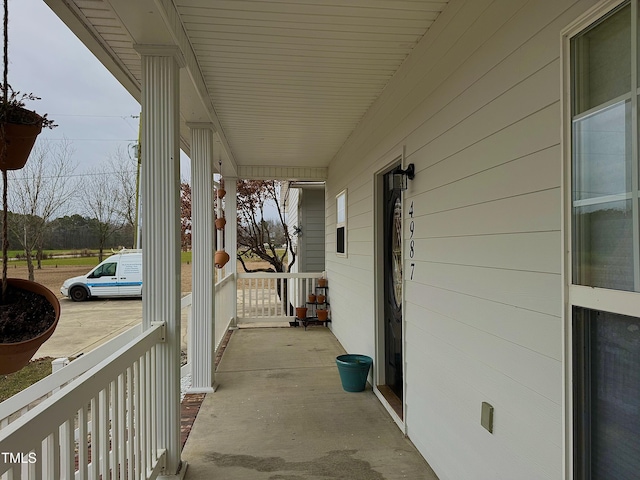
column 602, row 153
column 608, row 410
column 340, row 208
column 603, row 245
column 602, row 61
column 340, row 244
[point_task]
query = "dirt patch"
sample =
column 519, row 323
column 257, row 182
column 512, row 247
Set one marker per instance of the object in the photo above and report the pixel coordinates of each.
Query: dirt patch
column 52, row 277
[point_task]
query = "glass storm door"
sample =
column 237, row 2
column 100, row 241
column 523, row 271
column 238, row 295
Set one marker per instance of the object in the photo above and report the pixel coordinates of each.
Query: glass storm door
column 392, row 230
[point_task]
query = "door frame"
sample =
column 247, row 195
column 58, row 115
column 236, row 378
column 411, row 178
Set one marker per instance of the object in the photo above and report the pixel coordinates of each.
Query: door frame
column 393, row 159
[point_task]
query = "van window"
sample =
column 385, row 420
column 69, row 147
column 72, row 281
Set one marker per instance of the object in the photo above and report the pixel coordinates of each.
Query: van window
column 105, row 270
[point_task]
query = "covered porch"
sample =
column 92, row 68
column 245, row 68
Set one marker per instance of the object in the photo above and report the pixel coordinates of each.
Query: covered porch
column 454, row 275
column 280, row 412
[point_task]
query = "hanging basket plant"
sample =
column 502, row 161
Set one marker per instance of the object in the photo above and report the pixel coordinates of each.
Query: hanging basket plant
column 29, row 312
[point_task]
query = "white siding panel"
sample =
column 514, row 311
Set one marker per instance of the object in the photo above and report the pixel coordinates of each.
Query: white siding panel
column 538, row 292
column 454, row 384
column 534, row 212
column 476, row 109
column 538, row 373
column 520, row 251
column 529, row 136
column 525, row 328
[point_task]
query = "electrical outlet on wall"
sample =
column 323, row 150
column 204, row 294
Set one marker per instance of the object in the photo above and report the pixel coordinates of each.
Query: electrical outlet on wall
column 486, row 418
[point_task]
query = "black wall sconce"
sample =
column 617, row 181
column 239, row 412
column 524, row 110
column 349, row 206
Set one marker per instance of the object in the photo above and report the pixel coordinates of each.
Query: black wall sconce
column 297, row 231
column 399, row 179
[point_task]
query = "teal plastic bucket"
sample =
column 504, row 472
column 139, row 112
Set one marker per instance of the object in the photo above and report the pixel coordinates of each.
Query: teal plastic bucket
column 353, row 370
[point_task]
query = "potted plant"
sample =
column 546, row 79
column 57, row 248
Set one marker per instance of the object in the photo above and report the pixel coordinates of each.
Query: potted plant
column 301, row 313
column 29, row 312
column 323, row 315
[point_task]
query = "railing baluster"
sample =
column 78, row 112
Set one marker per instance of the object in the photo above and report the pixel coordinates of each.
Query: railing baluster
column 83, row 451
column 147, row 409
column 105, row 436
column 129, row 459
column 95, row 438
column 34, row 470
column 122, row 414
column 142, row 416
column 136, row 424
column 68, row 450
column 152, row 399
column 114, row 429
column 264, row 282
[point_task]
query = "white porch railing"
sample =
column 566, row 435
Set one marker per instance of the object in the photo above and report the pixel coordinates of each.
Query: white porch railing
column 112, row 408
column 19, row 404
column 225, row 291
column 268, row 296
column 224, row 306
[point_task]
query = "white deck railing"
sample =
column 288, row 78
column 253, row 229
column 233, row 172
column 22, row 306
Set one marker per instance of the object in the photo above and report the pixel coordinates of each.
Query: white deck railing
column 269, row 296
column 225, row 292
column 225, row 303
column 112, row 408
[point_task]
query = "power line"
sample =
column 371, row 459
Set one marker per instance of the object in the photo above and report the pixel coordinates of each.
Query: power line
column 90, row 115
column 90, row 139
column 93, row 174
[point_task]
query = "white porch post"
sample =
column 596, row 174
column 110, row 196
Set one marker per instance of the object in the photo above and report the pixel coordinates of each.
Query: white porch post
column 161, row 235
column 202, row 246
column 231, row 234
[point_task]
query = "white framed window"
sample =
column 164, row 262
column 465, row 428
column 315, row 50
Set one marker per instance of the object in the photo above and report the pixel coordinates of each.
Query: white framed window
column 341, row 224
column 602, row 236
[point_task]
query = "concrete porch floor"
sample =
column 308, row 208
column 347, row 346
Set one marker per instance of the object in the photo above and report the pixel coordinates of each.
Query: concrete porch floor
column 280, row 413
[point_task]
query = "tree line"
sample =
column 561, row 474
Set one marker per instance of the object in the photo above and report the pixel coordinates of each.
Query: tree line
column 52, row 207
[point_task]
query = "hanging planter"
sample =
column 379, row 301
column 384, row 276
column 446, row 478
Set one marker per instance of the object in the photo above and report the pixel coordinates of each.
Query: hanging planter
column 221, row 192
column 220, row 223
column 17, row 141
column 29, row 312
column 221, row 258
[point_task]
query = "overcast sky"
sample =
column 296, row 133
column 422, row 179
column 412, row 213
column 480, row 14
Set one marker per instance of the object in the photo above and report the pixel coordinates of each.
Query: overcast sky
column 91, row 108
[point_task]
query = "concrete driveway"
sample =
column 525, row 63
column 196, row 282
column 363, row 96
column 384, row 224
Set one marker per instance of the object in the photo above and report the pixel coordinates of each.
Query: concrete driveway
column 84, row 326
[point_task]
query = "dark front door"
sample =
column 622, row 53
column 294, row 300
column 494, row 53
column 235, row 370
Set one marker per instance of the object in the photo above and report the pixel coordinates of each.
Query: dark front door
column 393, row 287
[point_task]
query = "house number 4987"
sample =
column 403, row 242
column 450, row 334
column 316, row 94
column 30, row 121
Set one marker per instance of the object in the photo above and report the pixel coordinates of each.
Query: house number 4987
column 411, row 241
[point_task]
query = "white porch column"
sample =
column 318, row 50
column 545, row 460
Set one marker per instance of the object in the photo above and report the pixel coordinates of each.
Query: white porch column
column 161, row 235
column 231, row 234
column 202, row 246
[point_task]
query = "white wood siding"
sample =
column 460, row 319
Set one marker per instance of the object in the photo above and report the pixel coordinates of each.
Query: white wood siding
column 476, row 107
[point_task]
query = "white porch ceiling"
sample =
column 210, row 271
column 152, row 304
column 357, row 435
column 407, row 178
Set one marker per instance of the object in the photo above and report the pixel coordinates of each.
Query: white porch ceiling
column 284, row 82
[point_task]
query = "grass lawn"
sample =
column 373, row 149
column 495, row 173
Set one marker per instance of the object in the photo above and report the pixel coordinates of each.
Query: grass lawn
column 18, row 381
column 185, row 257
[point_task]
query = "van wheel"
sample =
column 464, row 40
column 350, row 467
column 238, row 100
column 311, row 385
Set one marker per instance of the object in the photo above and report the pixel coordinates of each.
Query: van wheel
column 78, row 294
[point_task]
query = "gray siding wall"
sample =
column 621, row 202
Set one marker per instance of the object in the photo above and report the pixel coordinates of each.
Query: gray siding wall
column 312, row 241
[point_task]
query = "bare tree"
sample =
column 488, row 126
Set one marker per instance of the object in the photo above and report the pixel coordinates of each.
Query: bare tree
column 185, row 215
column 41, row 190
column 124, row 169
column 260, row 236
column 101, row 194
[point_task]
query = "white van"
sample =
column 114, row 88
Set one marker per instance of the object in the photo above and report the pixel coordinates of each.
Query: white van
column 120, row 275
